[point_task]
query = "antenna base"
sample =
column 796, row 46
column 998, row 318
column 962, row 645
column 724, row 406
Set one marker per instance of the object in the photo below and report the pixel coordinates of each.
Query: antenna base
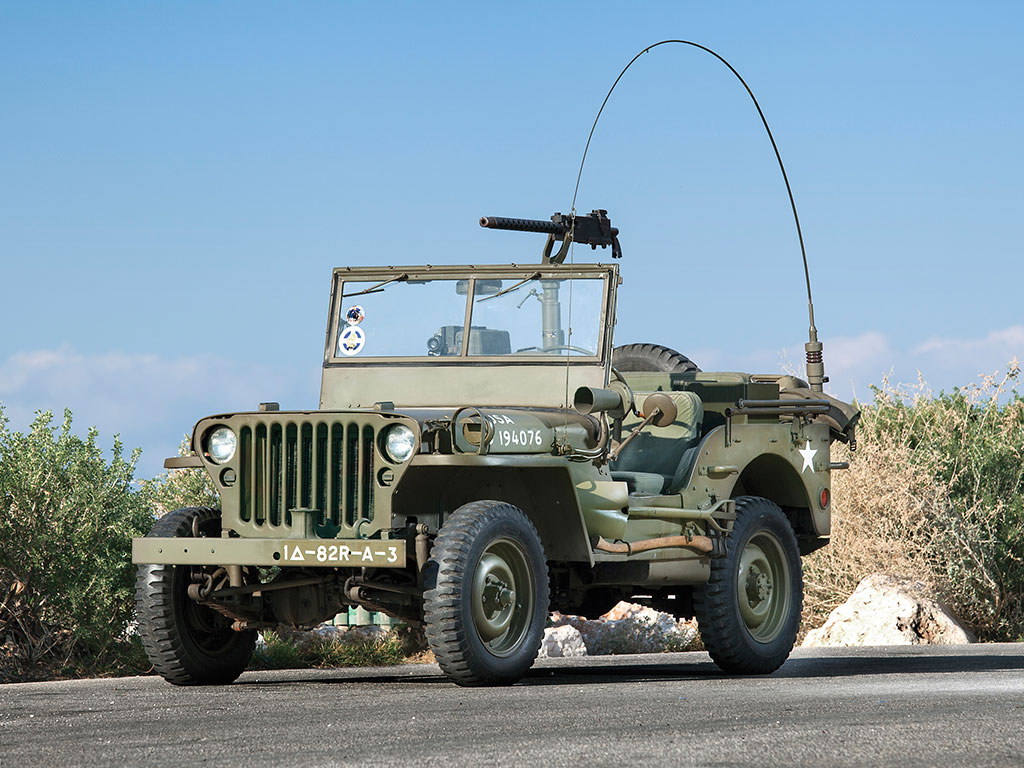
column 815, row 364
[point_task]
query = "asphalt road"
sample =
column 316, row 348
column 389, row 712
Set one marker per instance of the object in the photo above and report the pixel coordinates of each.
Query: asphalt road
column 869, row 706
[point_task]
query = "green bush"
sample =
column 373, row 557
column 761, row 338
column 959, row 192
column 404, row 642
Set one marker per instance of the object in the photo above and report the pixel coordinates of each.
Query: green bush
column 67, row 517
column 178, row 488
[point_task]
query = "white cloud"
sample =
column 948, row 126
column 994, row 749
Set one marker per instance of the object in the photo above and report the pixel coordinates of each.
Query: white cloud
column 858, row 351
column 1008, row 342
column 150, row 400
column 854, row 363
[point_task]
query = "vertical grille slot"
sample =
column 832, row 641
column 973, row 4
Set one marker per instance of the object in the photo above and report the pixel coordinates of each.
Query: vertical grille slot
column 306, row 466
column 351, row 474
column 336, row 477
column 291, row 470
column 320, row 472
column 366, row 478
column 275, row 490
column 260, row 480
column 245, row 481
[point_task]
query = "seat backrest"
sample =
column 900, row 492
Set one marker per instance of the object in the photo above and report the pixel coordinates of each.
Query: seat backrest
column 660, row 449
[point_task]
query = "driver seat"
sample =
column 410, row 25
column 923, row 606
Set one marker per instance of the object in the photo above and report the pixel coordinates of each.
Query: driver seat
column 660, row 459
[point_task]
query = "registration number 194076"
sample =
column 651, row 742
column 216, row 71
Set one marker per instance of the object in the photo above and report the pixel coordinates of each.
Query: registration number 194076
column 508, row 434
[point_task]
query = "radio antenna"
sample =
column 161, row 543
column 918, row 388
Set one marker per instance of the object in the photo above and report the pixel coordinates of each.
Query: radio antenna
column 813, row 347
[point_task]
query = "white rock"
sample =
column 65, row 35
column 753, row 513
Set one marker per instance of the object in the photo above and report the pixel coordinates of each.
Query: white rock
column 632, row 628
column 890, row 610
column 562, row 641
column 641, row 614
column 325, row 632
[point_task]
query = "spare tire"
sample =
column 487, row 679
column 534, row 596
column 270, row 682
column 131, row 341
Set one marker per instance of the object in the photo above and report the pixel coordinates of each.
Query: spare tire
column 650, row 357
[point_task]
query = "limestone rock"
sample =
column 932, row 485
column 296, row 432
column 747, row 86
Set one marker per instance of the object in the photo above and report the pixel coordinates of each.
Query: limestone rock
column 562, row 641
column 632, row 628
column 890, row 610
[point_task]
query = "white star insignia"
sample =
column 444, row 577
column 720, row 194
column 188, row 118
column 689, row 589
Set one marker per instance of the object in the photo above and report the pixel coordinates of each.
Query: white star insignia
column 808, row 454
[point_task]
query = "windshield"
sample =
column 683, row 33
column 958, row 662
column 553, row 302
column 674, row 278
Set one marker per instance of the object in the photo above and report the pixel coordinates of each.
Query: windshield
column 525, row 315
column 533, row 318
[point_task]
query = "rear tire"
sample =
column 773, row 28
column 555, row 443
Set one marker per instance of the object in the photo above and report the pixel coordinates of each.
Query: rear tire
column 187, row 643
column 486, row 597
column 748, row 613
column 636, row 358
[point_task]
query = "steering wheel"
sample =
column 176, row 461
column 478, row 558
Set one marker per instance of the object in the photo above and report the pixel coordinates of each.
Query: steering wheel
column 556, row 348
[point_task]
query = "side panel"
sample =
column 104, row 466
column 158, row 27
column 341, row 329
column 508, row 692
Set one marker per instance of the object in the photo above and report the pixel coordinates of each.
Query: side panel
column 435, row 486
column 786, row 463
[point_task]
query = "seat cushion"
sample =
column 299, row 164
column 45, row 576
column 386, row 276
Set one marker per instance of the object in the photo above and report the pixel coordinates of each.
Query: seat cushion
column 660, row 450
column 684, row 470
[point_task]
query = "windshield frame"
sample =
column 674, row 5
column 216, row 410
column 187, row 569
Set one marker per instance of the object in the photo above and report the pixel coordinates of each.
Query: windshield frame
column 608, row 273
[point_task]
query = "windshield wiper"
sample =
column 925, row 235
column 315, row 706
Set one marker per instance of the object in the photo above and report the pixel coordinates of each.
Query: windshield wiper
column 378, row 288
column 511, row 288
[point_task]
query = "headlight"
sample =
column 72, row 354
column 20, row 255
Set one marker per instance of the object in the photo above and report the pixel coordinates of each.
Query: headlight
column 399, row 442
column 221, row 445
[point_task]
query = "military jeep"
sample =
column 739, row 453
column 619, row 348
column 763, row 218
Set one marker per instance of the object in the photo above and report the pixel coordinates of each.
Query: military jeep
column 483, row 454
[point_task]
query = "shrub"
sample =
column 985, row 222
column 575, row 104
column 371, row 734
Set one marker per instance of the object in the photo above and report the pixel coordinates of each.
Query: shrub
column 178, row 488
column 277, row 652
column 935, row 491
column 66, row 579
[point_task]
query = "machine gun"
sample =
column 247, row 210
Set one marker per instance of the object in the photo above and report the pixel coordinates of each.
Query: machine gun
column 594, row 229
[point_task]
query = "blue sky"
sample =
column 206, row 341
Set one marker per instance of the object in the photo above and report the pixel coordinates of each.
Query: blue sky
column 177, row 181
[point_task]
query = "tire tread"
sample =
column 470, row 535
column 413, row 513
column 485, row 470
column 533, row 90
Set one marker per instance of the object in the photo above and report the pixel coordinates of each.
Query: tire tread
column 651, row 357
column 155, row 613
column 714, row 603
column 442, row 600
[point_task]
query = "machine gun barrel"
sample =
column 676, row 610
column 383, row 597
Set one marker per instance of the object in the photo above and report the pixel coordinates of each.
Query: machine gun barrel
column 524, row 225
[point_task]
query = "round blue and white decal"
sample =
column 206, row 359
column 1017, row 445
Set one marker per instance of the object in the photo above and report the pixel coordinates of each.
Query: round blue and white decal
column 351, row 340
column 354, row 315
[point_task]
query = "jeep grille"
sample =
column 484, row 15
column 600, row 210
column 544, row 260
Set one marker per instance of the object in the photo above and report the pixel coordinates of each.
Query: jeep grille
column 290, row 464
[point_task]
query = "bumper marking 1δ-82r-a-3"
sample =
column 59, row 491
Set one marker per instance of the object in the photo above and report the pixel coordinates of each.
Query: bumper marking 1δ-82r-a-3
column 308, row 553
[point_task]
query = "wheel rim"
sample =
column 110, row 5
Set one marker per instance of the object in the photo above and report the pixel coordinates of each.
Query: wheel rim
column 763, row 589
column 502, row 598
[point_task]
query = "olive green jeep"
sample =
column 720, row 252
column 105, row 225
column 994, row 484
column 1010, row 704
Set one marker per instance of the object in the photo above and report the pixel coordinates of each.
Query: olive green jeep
column 483, row 454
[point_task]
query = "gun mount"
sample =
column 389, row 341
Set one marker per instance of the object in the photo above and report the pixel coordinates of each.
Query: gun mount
column 595, row 229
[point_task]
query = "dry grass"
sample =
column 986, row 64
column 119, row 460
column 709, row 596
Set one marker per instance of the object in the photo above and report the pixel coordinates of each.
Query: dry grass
column 933, row 492
column 880, row 523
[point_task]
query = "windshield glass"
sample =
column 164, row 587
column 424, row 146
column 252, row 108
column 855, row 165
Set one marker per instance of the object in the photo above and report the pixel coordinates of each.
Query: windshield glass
column 533, row 318
column 401, row 318
column 523, row 315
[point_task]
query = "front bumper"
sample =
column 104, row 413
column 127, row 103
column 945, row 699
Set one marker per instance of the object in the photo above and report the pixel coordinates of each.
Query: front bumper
column 305, row 553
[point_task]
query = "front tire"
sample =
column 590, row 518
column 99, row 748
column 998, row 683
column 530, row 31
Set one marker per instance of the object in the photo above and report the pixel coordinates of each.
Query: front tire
column 749, row 610
column 486, row 598
column 187, row 643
